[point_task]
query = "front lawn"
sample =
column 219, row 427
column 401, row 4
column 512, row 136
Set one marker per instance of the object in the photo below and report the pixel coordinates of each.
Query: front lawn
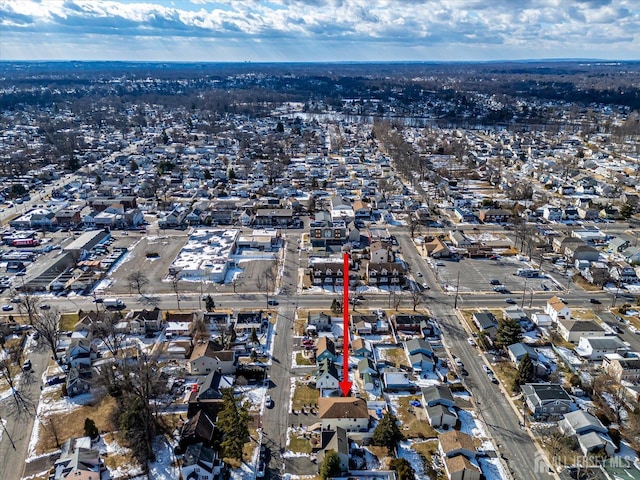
column 304, row 395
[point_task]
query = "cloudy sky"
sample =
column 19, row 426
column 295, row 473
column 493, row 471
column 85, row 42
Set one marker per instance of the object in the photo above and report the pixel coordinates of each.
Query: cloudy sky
column 318, row 30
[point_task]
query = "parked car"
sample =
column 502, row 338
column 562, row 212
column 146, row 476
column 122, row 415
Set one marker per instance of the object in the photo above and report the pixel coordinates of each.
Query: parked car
column 487, row 370
column 419, row 274
column 495, row 282
column 45, row 306
column 471, row 342
column 268, row 401
column 510, row 301
column 493, row 379
column 7, row 308
column 272, row 302
column 26, row 366
column 58, row 379
column 426, row 286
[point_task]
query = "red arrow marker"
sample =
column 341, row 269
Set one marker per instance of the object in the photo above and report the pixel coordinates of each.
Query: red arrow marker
column 345, row 384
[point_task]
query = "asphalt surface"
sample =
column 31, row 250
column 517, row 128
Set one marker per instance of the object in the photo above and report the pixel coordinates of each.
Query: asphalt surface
column 20, row 418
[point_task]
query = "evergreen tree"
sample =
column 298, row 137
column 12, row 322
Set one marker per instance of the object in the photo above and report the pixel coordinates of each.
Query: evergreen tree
column 233, row 422
column 387, row 433
column 525, row 372
column 90, row 429
column 209, row 303
column 508, row 333
column 254, row 336
column 403, row 468
column 330, row 465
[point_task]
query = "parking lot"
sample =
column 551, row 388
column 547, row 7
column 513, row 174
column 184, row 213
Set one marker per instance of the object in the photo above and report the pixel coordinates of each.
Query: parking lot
column 477, row 274
column 156, row 269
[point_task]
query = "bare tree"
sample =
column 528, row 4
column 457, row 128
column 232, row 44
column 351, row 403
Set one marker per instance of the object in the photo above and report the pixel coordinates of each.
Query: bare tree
column 29, row 306
column 137, row 281
column 46, row 324
column 6, row 372
column 105, row 329
column 416, row 297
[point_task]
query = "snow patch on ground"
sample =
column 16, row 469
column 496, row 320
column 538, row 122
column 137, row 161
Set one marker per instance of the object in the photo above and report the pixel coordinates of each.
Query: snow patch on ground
column 493, row 469
column 162, row 468
column 405, row 451
column 470, row 425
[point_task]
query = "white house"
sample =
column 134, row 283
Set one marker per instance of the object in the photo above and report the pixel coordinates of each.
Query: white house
column 350, row 413
column 557, row 309
column 595, row 348
column 573, row 330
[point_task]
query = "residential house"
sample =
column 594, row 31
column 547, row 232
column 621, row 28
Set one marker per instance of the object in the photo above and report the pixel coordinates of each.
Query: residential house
column 461, row 468
column 150, row 320
column 387, row 274
column 349, row 413
column 360, row 348
column 363, row 324
column 80, row 463
column 326, row 350
column 439, row 403
column 341, row 209
column 337, row 441
column 595, row 348
column 327, row 273
column 459, row 454
column 397, row 381
column 420, row 354
column 517, row 351
column 495, row 215
column 321, row 321
column 547, row 400
column 557, row 310
column 409, row 324
column 582, row 252
column 486, row 322
column 200, row 428
column 207, row 357
column 622, row 368
column 623, row 273
column 206, row 393
column 200, row 462
column 573, row 330
column 327, row 376
column 248, row 321
column 325, row 232
column 437, row 248
column 367, row 373
column 552, row 214
column 78, row 382
column 541, row 320
column 380, row 253
column 592, row 436
column 619, row 244
column 80, row 353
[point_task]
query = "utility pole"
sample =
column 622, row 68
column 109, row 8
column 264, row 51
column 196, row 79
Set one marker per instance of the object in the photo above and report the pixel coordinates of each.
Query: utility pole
column 455, row 301
column 524, row 292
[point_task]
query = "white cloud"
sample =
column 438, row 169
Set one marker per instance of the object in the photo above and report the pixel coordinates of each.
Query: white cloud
column 318, row 27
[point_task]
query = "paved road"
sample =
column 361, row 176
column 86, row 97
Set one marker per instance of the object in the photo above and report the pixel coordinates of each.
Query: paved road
column 501, row 422
column 20, row 420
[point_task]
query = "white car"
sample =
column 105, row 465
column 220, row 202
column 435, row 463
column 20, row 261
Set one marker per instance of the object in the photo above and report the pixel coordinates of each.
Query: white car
column 472, row 342
column 268, row 402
